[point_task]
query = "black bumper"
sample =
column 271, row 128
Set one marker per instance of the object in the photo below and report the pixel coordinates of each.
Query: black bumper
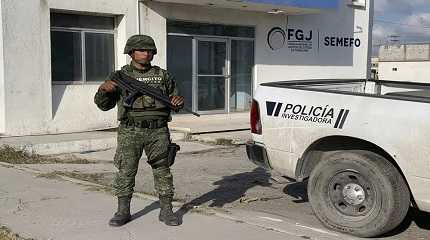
column 258, row 155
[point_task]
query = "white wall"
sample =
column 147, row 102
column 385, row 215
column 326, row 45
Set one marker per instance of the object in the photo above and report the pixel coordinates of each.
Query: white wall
column 29, row 93
column 74, row 110
column 2, row 79
column 406, row 71
column 281, row 64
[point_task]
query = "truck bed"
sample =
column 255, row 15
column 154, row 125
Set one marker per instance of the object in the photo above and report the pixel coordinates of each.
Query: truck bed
column 406, row 91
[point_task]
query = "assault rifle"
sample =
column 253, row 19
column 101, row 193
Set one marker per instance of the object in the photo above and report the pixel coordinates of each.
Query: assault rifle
column 136, row 88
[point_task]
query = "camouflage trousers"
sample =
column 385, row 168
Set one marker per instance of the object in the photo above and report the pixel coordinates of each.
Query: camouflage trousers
column 131, row 143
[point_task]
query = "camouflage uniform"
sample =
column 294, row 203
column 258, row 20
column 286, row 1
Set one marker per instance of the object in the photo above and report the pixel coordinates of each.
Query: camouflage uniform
column 135, row 134
column 142, row 127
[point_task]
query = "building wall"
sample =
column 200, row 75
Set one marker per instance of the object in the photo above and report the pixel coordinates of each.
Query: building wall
column 2, row 78
column 392, row 53
column 30, row 104
column 406, row 71
column 405, row 52
column 33, row 104
column 405, row 62
column 281, row 64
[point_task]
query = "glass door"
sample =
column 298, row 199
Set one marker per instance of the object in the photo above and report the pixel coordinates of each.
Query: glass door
column 180, row 65
column 242, row 67
column 211, row 79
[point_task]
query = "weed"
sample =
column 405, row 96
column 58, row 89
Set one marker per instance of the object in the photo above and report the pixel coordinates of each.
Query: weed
column 12, row 155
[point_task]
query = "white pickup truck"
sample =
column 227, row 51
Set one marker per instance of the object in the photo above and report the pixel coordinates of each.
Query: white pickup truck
column 362, row 145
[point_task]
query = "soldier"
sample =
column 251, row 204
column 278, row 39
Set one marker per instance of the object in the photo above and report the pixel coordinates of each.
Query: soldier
column 142, row 127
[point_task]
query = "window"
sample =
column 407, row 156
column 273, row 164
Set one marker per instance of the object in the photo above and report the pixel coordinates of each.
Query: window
column 82, row 48
column 192, row 28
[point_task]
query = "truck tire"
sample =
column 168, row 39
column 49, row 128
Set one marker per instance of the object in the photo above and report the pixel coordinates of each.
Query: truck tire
column 358, row 192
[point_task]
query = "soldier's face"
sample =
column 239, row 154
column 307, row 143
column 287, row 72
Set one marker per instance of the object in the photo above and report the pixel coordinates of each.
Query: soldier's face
column 142, row 56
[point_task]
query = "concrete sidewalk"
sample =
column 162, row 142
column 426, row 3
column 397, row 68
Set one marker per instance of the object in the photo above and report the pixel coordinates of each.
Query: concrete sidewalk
column 208, row 128
column 40, row 208
column 63, row 143
column 210, row 123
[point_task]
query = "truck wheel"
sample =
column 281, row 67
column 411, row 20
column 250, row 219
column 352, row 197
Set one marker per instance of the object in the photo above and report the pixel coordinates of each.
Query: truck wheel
column 358, row 192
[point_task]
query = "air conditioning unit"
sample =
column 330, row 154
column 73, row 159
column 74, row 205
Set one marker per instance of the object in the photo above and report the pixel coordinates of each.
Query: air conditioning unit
column 357, row 3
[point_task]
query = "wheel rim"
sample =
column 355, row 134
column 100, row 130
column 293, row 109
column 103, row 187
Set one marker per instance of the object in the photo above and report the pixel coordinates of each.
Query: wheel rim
column 351, row 194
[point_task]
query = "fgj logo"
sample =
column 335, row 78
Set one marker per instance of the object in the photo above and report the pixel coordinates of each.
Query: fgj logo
column 299, row 35
column 298, row 40
column 276, row 38
column 316, row 114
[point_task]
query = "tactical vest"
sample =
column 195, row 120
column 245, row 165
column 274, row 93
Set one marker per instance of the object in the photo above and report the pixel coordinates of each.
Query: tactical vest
column 146, row 107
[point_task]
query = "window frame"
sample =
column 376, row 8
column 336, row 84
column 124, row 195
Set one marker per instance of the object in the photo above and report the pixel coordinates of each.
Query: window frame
column 82, row 32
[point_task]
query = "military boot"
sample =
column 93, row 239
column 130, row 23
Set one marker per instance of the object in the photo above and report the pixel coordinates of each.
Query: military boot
column 166, row 212
column 122, row 216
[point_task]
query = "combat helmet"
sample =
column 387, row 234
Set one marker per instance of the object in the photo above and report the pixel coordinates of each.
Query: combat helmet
column 137, row 42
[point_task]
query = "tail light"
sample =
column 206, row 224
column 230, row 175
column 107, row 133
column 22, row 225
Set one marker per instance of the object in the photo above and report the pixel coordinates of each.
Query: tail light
column 255, row 118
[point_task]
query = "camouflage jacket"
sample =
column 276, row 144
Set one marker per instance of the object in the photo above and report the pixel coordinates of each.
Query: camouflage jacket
column 145, row 107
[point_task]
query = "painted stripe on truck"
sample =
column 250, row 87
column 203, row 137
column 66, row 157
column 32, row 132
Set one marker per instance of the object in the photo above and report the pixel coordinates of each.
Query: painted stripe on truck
column 270, row 107
column 339, row 118
column 344, row 118
column 278, row 109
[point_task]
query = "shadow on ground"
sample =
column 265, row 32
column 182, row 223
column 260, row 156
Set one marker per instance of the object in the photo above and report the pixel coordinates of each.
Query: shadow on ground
column 153, row 206
column 420, row 218
column 230, row 189
column 297, row 190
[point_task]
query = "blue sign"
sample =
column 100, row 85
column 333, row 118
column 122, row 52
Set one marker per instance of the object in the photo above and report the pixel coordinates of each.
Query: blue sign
column 318, row 4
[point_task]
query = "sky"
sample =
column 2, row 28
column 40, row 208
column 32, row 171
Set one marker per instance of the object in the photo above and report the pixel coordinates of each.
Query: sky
column 403, row 20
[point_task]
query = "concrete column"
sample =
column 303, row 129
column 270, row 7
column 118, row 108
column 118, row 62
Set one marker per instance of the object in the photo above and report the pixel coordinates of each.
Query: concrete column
column 153, row 22
column 27, row 69
column 2, row 78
